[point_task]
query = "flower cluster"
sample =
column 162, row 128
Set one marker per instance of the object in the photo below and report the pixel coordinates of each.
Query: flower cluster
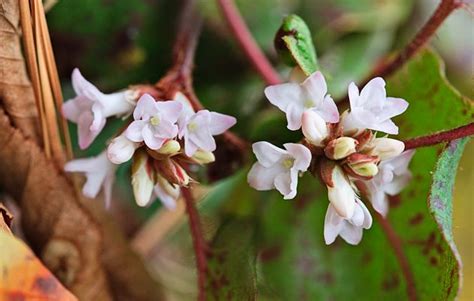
column 163, row 139
column 343, row 150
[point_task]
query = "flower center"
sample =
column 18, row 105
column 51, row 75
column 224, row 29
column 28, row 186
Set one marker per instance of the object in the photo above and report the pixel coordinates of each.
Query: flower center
column 288, row 163
column 308, row 103
column 192, row 127
column 155, row 120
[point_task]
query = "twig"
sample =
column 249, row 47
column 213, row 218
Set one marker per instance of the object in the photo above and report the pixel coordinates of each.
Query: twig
column 247, row 42
column 439, row 137
column 445, row 8
column 396, row 244
column 199, row 243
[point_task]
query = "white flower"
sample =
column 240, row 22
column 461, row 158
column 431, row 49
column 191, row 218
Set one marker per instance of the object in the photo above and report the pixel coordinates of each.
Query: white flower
column 90, row 108
column 167, row 193
column 294, row 99
column 99, row 171
column 278, row 168
column 392, row 177
column 199, row 128
column 341, row 194
column 121, row 149
column 386, row 148
column 155, row 122
column 371, row 109
column 350, row 229
column 314, row 128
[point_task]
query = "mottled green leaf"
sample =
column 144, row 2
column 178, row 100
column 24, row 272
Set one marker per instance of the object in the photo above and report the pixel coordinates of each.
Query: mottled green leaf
column 295, row 46
column 441, row 203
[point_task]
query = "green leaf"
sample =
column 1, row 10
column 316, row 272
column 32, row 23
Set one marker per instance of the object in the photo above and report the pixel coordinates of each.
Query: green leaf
column 441, row 206
column 232, row 268
column 295, row 46
column 297, row 264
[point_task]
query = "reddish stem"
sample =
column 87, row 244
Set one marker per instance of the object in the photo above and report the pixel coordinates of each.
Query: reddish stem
column 460, row 132
column 247, row 42
column 445, row 8
column 199, row 243
column 396, row 244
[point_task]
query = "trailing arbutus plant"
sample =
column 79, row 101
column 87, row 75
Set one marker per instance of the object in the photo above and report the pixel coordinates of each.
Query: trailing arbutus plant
column 338, row 185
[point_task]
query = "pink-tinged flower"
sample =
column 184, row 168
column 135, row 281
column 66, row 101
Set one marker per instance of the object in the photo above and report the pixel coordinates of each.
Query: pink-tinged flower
column 372, row 109
column 314, row 128
column 199, row 128
column 99, row 171
column 167, row 193
column 341, row 193
column 386, row 148
column 350, row 229
column 392, row 177
column 155, row 122
column 294, row 99
column 278, row 168
column 121, row 149
column 90, row 108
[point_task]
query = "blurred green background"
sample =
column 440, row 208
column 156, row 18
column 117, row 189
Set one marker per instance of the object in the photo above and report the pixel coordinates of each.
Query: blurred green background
column 116, row 43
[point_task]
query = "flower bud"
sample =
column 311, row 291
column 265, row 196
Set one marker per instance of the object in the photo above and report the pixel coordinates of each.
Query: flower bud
column 121, row 149
column 342, row 195
column 340, row 148
column 386, row 148
column 172, row 171
column 314, row 127
column 368, row 169
column 170, row 147
column 142, row 178
column 168, row 193
column 203, row 157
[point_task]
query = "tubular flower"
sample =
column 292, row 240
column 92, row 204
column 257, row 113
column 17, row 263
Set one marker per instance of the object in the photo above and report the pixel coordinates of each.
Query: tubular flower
column 99, row 171
column 167, row 193
column 155, row 122
column 372, row 109
column 294, row 99
column 278, row 168
column 350, row 229
column 90, row 108
column 121, row 149
column 393, row 176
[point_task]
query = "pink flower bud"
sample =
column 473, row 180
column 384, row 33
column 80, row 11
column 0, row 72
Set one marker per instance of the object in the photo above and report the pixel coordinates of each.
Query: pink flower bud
column 314, row 127
column 143, row 177
column 340, row 148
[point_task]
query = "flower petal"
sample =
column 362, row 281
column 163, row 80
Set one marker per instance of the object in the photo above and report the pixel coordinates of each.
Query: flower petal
column 351, row 234
column 328, row 110
column 150, row 139
column 267, row 154
column 342, row 196
column 170, row 110
column 333, row 224
column 353, row 93
column 83, row 87
column 387, row 127
column 393, row 107
column 373, row 94
column 262, row 178
column 145, row 107
column 220, row 123
column 294, row 114
column 190, row 147
column 301, row 154
column 283, row 183
column 134, row 130
column 85, row 135
column 283, row 94
column 316, row 88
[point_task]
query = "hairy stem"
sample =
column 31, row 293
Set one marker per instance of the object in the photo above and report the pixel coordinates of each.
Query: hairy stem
column 445, row 136
column 199, row 243
column 247, row 42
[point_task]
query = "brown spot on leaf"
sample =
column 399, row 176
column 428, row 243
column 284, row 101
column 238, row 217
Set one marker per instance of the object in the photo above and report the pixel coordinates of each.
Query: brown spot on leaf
column 367, row 258
column 394, row 200
column 326, row 278
column 417, row 219
column 391, row 282
column 433, row 261
column 270, row 253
